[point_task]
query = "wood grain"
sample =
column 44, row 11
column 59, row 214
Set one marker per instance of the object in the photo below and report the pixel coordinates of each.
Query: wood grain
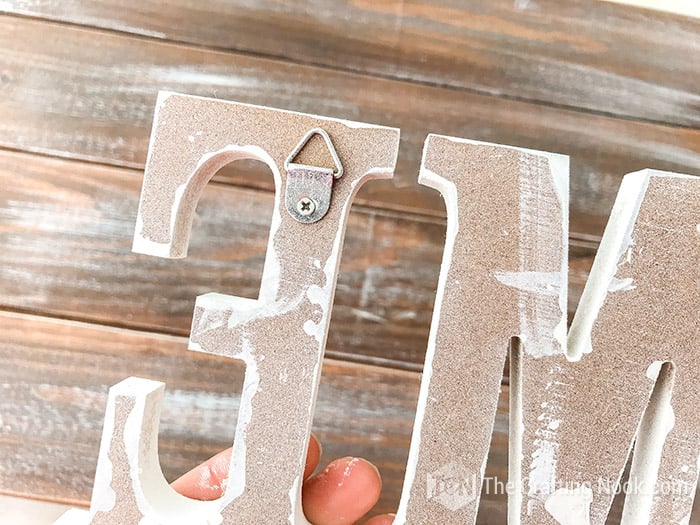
column 54, row 393
column 92, row 98
column 614, row 87
column 581, row 54
column 54, row 390
column 65, row 236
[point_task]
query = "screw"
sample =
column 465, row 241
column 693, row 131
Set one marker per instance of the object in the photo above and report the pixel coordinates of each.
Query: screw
column 306, row 207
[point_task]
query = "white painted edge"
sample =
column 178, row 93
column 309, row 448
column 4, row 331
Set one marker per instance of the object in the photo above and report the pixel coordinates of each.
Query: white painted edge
column 617, row 238
column 163, row 95
column 449, row 193
column 656, row 424
column 155, row 497
column 231, row 152
column 560, row 161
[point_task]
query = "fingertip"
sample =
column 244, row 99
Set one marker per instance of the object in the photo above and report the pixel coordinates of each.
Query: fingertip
column 342, row 493
column 316, row 443
column 206, row 482
column 313, row 456
column 385, row 519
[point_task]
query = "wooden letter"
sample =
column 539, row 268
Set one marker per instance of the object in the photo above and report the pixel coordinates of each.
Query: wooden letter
column 627, row 373
column 281, row 335
column 632, row 371
column 628, row 370
column 503, row 275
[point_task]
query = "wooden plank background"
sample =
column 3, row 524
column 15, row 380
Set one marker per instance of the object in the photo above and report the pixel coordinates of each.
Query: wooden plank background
column 683, row 7
column 614, row 87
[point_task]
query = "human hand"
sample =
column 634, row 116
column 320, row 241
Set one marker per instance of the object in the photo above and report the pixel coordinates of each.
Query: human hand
column 339, row 495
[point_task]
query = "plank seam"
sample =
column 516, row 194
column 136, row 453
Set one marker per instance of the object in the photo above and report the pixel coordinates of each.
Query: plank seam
column 347, row 70
column 86, row 323
column 583, row 240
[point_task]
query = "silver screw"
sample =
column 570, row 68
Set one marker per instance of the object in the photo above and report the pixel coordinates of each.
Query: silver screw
column 306, row 207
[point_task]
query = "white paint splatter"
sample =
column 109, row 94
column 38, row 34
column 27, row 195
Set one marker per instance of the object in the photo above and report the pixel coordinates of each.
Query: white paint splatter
column 554, row 424
column 543, row 464
column 368, row 316
column 251, row 387
column 236, row 311
column 547, row 283
column 144, row 245
column 348, row 470
column 104, row 497
column 542, row 468
column 570, row 506
column 547, row 336
column 621, row 285
column 320, row 296
column 315, row 330
column 522, row 5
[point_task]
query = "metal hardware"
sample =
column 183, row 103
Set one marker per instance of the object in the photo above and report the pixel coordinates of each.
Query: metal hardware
column 308, row 192
column 306, row 207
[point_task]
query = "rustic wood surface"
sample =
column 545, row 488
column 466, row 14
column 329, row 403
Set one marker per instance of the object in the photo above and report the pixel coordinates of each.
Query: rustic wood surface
column 92, row 97
column 577, row 53
column 614, row 87
column 54, row 390
column 66, row 229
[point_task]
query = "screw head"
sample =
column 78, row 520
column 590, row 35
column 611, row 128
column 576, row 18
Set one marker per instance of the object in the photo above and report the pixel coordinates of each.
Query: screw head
column 306, row 207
